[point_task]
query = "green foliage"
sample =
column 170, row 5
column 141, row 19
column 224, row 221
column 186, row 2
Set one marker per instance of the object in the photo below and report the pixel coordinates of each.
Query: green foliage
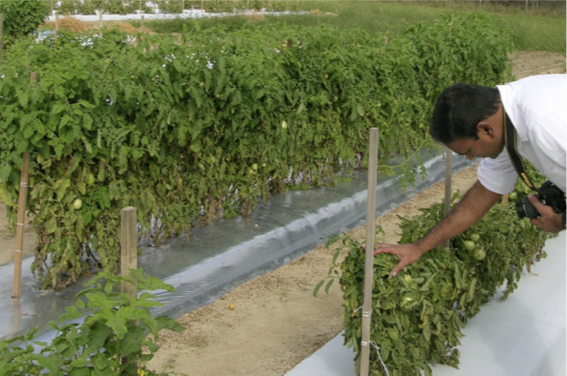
column 118, row 334
column 430, row 302
column 21, row 17
column 199, row 126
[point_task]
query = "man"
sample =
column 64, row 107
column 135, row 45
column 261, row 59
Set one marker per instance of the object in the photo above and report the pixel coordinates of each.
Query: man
column 471, row 121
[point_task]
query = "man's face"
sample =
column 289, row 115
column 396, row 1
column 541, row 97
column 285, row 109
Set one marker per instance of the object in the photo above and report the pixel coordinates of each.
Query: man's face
column 484, row 147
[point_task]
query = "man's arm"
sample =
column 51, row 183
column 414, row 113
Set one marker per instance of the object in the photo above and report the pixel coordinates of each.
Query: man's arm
column 476, row 202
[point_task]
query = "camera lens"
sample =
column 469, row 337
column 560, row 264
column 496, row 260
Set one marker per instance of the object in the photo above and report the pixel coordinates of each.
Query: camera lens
column 525, row 208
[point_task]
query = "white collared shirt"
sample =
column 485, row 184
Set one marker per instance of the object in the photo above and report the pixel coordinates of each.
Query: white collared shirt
column 537, row 106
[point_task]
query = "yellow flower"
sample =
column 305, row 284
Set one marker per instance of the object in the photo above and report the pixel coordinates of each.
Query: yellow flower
column 141, row 372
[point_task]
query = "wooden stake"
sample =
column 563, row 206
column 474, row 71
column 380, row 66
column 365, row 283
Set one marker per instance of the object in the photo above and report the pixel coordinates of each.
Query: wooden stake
column 56, row 26
column 129, row 255
column 1, row 27
column 22, row 204
column 369, row 255
column 128, row 248
column 448, row 182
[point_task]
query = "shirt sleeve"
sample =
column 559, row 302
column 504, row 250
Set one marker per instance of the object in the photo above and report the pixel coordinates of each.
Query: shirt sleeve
column 497, row 175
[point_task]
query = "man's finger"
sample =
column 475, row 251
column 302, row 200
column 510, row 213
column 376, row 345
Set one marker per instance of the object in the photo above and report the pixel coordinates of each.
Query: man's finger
column 397, row 269
column 380, row 250
column 535, row 202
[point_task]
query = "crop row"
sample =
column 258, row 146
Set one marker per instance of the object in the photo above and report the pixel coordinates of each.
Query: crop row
column 418, row 317
column 194, row 127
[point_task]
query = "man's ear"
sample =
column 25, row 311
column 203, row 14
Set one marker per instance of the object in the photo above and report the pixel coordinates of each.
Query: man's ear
column 485, row 128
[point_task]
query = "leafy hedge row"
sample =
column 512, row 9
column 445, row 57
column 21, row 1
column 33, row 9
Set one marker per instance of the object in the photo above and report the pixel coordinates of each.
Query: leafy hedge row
column 429, row 302
column 200, row 125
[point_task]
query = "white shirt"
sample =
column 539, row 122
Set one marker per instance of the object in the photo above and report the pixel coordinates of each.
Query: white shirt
column 537, row 106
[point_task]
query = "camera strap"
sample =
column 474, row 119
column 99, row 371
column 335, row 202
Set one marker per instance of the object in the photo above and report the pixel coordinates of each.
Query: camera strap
column 510, row 140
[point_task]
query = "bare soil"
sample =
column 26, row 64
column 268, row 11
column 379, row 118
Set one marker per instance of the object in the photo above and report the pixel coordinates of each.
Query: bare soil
column 268, row 325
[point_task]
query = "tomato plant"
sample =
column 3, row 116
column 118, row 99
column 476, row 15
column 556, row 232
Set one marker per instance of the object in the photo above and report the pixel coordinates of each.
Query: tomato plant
column 431, row 301
column 192, row 128
column 117, row 336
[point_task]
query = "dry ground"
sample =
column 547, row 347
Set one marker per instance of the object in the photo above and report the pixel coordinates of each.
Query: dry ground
column 276, row 322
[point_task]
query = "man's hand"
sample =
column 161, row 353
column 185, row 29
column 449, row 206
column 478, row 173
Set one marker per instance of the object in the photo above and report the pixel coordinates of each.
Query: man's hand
column 407, row 254
column 549, row 221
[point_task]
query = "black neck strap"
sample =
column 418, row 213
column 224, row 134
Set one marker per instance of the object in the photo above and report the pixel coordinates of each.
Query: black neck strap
column 510, row 140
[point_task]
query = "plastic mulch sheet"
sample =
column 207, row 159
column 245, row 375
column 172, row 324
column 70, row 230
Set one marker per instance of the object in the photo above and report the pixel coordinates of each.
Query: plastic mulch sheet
column 227, row 253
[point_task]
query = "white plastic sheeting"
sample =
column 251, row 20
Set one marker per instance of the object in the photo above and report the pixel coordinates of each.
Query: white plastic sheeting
column 523, row 335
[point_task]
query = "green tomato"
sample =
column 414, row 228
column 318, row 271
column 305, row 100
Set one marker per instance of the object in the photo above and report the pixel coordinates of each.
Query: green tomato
column 77, row 204
column 475, row 237
column 479, row 254
column 469, row 245
column 255, row 166
column 513, row 196
column 90, row 178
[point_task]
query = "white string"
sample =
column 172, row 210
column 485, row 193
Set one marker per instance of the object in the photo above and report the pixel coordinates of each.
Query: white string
column 364, row 313
column 379, row 357
column 17, row 251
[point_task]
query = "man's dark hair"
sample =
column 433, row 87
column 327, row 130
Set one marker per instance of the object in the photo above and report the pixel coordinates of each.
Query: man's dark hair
column 459, row 109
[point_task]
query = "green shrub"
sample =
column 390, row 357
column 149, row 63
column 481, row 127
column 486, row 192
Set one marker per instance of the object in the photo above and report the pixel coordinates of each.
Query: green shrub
column 117, row 336
column 21, row 17
column 430, row 302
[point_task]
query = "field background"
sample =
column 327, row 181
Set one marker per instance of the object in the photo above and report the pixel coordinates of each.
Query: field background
column 276, row 322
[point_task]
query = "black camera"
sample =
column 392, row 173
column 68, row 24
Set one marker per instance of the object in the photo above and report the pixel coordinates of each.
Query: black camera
column 548, row 194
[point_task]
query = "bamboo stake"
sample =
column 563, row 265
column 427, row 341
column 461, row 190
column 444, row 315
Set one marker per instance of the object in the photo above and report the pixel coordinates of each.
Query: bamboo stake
column 56, row 27
column 448, row 182
column 22, row 204
column 1, row 30
column 369, row 253
column 128, row 248
column 129, row 256
column 16, row 318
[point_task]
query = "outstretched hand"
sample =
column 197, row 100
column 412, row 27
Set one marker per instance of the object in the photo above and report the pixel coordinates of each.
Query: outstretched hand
column 407, row 254
column 549, row 221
